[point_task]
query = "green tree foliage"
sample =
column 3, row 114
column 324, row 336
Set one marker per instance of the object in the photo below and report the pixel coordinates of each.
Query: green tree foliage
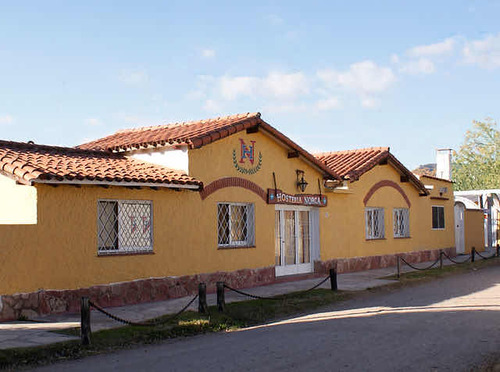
column 477, row 163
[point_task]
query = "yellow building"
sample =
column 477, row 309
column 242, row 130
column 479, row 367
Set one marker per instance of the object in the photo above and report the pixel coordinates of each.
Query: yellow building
column 148, row 213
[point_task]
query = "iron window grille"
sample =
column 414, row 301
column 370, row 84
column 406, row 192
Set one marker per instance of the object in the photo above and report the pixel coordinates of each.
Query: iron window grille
column 374, row 219
column 124, row 226
column 235, row 225
column 401, row 220
column 438, row 217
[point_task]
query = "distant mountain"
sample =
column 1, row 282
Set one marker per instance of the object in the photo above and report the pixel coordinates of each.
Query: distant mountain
column 426, row 170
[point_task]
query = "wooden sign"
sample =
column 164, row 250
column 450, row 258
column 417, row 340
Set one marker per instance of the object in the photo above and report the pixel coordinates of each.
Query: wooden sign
column 312, row 200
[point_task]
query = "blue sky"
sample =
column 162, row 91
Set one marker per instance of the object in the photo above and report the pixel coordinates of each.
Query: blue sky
column 332, row 75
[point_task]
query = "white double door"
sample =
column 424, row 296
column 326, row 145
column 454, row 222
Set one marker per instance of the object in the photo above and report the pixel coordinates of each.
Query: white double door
column 295, row 238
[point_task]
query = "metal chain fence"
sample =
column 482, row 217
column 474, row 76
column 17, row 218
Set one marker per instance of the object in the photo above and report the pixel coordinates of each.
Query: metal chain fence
column 142, row 324
column 276, row 298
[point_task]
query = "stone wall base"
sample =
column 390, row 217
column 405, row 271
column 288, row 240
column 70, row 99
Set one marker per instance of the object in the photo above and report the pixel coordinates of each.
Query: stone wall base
column 348, row 265
column 44, row 302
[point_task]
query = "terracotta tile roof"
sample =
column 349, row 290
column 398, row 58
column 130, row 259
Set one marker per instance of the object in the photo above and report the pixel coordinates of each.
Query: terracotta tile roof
column 193, row 133
column 196, row 134
column 29, row 163
column 352, row 164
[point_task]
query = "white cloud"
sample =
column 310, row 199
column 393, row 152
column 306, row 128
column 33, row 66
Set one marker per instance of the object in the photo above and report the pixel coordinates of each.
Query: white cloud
column 485, row 53
column 278, row 108
column 133, row 77
column 394, row 58
column 233, row 87
column 6, row 119
column 327, row 104
column 419, row 66
column 208, row 53
column 203, row 84
column 93, row 122
column 212, row 106
column 362, row 77
column 275, row 85
column 369, row 102
column 285, row 85
column 365, row 78
column 437, row 49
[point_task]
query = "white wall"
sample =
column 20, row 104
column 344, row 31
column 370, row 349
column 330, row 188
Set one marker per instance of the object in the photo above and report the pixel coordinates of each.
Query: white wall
column 17, row 203
column 175, row 158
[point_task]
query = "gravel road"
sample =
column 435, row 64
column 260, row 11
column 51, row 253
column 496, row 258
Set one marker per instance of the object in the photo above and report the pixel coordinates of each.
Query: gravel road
column 445, row 325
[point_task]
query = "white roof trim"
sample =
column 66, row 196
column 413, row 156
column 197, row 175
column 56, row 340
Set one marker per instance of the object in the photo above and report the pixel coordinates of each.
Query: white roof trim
column 115, row 183
column 469, row 204
column 477, row 192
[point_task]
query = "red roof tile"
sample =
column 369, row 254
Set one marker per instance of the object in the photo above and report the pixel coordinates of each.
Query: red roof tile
column 193, row 133
column 196, row 134
column 28, row 163
column 352, row 164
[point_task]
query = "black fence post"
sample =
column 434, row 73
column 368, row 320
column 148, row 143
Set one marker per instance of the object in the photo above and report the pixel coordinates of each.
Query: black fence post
column 333, row 279
column 202, row 298
column 221, row 301
column 440, row 259
column 398, row 267
column 472, row 254
column 85, row 321
column 498, row 250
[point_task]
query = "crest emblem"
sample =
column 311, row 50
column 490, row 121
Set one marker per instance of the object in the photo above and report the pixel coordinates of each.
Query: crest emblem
column 246, row 163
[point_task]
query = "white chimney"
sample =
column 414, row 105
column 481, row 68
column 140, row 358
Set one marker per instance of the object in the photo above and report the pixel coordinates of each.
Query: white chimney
column 443, row 163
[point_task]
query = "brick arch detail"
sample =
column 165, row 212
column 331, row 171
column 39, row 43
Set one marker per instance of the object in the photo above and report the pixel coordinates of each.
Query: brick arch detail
column 386, row 183
column 222, row 183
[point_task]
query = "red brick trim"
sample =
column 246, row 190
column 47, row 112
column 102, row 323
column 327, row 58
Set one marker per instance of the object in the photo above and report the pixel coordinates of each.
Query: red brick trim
column 222, row 183
column 386, row 183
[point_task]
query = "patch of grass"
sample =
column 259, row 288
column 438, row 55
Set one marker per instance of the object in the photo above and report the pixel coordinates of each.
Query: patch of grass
column 236, row 315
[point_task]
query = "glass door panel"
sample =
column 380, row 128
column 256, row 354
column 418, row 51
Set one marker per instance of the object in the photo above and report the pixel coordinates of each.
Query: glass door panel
column 289, row 238
column 304, row 240
column 277, row 238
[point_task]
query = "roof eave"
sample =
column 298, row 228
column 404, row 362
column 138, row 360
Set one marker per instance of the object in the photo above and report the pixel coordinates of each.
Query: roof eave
column 117, row 183
column 411, row 177
column 308, row 157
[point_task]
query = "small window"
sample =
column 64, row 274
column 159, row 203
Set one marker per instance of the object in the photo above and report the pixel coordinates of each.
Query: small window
column 124, row 226
column 437, row 217
column 374, row 219
column 401, row 220
column 235, row 225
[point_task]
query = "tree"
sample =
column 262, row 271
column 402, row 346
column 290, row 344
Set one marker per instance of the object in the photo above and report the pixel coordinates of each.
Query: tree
column 476, row 164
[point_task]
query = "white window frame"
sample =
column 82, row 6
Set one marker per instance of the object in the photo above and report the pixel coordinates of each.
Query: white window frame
column 369, row 223
column 398, row 215
column 250, row 225
column 119, row 245
column 432, row 218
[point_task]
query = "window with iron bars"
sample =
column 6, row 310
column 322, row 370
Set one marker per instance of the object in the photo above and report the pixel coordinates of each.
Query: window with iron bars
column 235, row 225
column 124, row 226
column 401, row 220
column 374, row 220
